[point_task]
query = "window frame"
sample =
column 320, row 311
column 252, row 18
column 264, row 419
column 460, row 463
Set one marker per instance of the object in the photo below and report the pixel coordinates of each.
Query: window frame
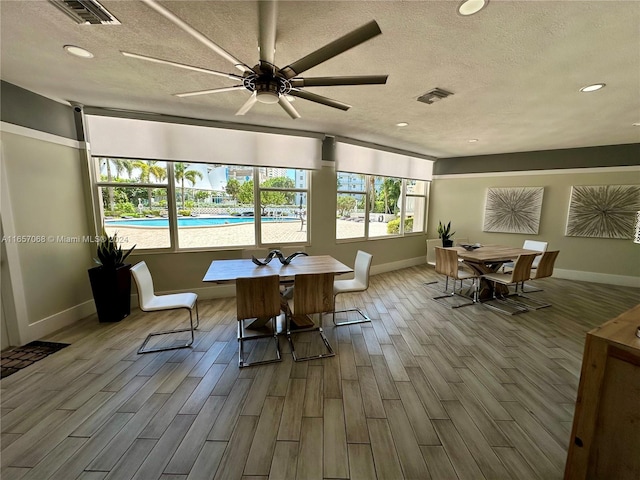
column 368, row 191
column 172, row 208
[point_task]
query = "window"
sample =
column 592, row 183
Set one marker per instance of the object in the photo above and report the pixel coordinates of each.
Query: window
column 133, row 201
column 372, row 206
column 206, row 205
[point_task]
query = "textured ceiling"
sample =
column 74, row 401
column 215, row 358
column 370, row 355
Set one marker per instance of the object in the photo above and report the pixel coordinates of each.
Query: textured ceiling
column 514, row 68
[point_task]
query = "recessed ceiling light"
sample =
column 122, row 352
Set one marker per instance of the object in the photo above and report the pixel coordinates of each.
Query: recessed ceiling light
column 593, row 88
column 637, row 124
column 77, row 51
column 402, row 124
column 469, row 7
column 473, row 140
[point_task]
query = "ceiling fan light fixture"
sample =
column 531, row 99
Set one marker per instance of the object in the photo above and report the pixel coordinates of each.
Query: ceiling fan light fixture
column 267, row 97
column 593, row 88
column 469, row 7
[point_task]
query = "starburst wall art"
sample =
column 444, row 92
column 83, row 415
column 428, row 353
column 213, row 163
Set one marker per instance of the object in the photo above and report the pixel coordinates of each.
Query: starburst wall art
column 603, row 211
column 513, row 210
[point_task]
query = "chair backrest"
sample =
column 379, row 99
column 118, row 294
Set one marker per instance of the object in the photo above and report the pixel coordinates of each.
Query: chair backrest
column 538, row 246
column 447, row 262
column 313, row 293
column 144, row 283
column 431, row 252
column 362, row 267
column 522, row 268
column 545, row 267
column 258, row 297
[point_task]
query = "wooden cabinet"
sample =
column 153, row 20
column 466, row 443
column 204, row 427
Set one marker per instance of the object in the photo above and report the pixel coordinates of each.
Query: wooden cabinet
column 605, row 438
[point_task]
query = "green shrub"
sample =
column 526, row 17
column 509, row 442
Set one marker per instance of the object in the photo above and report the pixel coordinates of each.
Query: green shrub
column 393, row 227
column 125, row 208
column 184, row 213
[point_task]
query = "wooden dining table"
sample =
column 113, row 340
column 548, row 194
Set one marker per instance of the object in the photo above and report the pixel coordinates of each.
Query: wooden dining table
column 223, row 271
column 489, row 259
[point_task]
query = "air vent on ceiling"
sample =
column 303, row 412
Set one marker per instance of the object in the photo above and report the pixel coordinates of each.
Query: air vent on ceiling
column 433, row 96
column 86, row 12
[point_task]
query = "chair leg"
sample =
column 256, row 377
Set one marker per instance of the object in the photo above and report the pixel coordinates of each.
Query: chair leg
column 495, row 303
column 534, row 304
column 451, row 295
column 364, row 316
column 312, row 329
column 142, row 348
column 242, row 363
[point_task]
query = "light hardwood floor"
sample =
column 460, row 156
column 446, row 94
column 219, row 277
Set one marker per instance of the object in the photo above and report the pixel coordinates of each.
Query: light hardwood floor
column 421, row 392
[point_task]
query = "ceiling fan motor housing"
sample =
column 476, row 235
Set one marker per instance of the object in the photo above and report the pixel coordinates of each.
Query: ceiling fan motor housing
column 268, row 86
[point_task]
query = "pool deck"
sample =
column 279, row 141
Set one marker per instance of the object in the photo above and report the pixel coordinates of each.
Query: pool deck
column 230, row 235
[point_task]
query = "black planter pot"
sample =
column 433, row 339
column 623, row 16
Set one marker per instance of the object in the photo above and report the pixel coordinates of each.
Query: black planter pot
column 111, row 292
column 447, row 243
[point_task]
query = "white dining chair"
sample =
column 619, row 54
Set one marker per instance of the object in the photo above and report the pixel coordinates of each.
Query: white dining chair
column 536, row 245
column 150, row 302
column 359, row 283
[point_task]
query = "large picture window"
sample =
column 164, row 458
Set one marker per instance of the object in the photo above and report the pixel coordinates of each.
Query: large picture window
column 372, row 206
column 179, row 205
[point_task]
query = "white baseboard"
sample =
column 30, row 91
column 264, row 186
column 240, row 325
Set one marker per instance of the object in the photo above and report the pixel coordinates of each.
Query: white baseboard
column 52, row 323
column 391, row 266
column 606, row 278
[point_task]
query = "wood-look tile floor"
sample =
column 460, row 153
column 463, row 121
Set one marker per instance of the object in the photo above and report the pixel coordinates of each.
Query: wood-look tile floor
column 421, row 392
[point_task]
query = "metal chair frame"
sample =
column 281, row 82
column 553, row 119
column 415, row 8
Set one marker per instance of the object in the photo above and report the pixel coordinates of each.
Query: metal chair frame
column 150, row 302
column 448, row 265
column 544, row 270
column 257, row 297
column 312, row 294
column 520, row 273
column 359, row 283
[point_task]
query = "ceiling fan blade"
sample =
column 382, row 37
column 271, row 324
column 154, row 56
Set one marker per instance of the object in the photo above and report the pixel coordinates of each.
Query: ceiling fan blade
column 248, row 104
column 319, row 99
column 286, row 105
column 197, row 35
column 214, row 90
column 267, row 14
column 332, row 49
column 331, row 81
column 232, row 76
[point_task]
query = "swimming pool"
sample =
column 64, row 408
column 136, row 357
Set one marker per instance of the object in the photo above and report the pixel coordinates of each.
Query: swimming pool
column 192, row 221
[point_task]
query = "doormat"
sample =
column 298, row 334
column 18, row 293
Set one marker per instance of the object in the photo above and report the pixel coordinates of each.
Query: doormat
column 21, row 357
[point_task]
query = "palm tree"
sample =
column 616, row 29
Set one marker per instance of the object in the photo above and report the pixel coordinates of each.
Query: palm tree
column 148, row 169
column 183, row 174
column 107, row 164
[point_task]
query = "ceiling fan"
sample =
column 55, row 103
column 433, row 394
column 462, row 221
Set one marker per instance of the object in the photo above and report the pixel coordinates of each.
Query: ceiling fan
column 265, row 81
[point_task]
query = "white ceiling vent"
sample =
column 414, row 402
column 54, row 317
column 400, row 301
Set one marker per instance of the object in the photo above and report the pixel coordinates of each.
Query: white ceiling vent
column 433, row 96
column 86, row 12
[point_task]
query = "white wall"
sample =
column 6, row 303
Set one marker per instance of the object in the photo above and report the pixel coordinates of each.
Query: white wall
column 42, row 202
column 461, row 200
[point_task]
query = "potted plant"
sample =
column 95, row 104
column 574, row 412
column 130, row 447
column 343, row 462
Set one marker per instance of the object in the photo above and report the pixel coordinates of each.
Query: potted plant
column 111, row 280
column 445, row 234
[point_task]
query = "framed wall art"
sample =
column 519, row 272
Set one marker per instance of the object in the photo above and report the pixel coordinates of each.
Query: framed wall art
column 513, row 210
column 606, row 211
